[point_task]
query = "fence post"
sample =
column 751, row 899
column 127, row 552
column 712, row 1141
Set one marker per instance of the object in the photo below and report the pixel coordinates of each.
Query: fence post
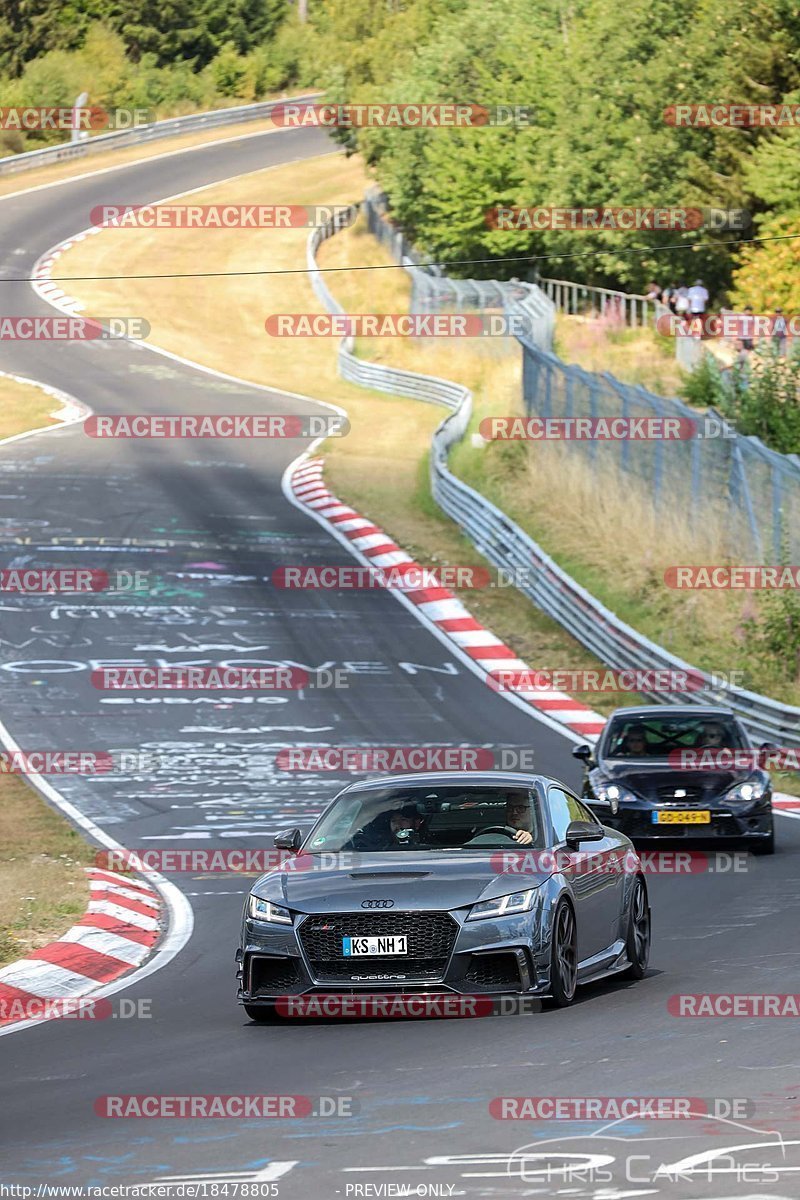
column 696, row 466
column 743, row 490
column 777, row 515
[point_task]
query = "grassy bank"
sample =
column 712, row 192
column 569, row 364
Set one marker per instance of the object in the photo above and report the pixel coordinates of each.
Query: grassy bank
column 23, row 407
column 43, row 888
column 598, row 529
column 385, row 431
column 638, row 356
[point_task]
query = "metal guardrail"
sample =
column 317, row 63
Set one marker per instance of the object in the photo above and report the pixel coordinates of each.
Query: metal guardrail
column 65, row 151
column 507, row 546
column 626, row 308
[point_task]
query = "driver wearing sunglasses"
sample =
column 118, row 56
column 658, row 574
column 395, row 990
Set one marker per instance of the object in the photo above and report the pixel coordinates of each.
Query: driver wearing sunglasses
column 518, row 816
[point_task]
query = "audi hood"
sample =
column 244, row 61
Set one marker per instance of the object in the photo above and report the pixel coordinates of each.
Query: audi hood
column 421, row 880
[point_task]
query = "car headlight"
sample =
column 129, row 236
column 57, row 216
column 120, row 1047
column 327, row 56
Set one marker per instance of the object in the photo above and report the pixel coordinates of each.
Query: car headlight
column 265, row 910
column 613, row 794
column 745, row 793
column 504, row 906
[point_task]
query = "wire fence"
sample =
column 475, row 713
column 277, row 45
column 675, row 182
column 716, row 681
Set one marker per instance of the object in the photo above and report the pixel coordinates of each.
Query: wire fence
column 504, row 544
column 753, row 492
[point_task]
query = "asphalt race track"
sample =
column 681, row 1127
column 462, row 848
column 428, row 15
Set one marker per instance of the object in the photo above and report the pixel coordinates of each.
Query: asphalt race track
column 205, row 517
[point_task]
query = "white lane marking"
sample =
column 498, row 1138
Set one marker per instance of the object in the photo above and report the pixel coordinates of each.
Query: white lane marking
column 215, row 893
column 268, row 1174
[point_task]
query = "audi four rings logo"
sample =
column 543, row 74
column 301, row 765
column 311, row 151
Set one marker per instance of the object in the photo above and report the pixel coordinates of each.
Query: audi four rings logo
column 377, row 903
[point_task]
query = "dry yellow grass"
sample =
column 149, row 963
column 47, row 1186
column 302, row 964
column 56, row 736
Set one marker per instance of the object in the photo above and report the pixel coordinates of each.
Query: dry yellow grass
column 23, row 407
column 43, row 888
column 380, row 466
column 637, row 356
column 603, row 535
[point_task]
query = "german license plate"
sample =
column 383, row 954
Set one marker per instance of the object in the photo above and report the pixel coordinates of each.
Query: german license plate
column 363, row 947
column 677, row 817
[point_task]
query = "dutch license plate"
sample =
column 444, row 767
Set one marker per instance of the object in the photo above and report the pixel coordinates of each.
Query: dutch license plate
column 678, row 817
column 363, row 947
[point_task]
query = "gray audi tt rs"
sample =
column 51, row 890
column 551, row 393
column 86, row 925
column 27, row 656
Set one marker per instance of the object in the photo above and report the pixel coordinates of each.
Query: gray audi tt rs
column 448, row 882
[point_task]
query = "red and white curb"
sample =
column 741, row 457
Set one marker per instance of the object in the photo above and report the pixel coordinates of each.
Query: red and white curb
column 441, row 607
column 43, row 283
column 447, row 612
column 118, row 932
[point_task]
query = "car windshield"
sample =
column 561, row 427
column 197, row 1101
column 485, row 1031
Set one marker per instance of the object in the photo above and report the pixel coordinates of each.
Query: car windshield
column 406, row 819
column 658, row 737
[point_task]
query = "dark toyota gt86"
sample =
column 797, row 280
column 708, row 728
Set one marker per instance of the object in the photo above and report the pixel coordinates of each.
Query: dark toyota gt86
column 446, row 882
column 680, row 772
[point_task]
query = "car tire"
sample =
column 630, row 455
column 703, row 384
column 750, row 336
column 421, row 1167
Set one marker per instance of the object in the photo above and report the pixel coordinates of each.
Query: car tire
column 765, row 845
column 637, row 942
column 262, row 1014
column 563, row 956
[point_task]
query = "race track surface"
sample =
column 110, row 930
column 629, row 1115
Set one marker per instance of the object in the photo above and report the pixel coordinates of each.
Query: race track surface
column 210, row 521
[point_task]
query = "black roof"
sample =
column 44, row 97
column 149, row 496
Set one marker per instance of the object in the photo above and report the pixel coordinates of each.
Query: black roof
column 673, row 710
column 451, row 779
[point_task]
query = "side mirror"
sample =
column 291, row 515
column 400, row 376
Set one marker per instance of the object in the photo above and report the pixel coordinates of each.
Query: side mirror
column 288, row 839
column 582, row 752
column 583, row 831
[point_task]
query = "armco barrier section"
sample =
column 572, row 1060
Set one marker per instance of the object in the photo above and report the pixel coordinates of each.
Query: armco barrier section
column 752, row 492
column 507, row 546
column 194, row 122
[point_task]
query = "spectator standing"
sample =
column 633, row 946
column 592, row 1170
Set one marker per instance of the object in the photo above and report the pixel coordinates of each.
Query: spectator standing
column 669, row 296
column 698, row 298
column 747, row 330
column 682, row 301
column 779, row 332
